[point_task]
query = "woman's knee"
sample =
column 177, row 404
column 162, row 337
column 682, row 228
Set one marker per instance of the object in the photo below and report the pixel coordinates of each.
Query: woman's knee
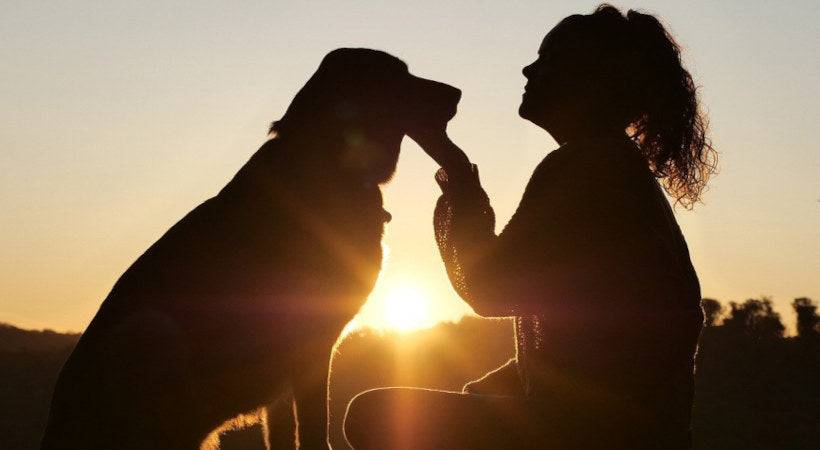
column 364, row 419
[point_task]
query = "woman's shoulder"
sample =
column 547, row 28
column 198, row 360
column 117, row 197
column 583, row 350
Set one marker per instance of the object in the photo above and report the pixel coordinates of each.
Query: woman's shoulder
column 595, row 157
column 594, row 149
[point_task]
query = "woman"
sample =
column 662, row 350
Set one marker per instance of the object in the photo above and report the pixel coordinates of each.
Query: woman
column 592, row 264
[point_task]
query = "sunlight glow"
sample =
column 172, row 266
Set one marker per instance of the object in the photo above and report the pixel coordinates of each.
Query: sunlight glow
column 403, row 302
column 405, row 309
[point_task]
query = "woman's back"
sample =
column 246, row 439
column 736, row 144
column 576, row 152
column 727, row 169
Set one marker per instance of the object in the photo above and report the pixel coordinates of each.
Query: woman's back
column 622, row 341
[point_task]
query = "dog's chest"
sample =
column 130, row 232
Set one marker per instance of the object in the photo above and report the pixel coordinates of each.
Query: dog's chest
column 336, row 232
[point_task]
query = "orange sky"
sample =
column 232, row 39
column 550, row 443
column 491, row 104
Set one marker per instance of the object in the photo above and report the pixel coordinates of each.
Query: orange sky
column 117, row 119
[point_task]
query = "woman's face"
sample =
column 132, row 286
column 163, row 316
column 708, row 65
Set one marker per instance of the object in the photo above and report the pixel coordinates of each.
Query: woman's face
column 572, row 86
column 564, row 91
column 545, row 89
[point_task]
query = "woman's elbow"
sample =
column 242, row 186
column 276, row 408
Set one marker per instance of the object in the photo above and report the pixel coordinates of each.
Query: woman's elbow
column 489, row 304
column 503, row 296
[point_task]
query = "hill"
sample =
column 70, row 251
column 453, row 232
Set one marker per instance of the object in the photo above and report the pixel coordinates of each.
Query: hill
column 29, row 364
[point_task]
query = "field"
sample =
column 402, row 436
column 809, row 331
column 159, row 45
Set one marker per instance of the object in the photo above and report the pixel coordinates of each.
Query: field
column 752, row 392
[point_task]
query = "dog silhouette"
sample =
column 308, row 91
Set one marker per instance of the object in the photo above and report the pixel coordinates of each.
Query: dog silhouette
column 241, row 301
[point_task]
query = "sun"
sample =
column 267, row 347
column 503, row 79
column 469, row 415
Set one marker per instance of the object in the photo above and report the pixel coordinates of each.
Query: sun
column 406, row 309
column 407, row 303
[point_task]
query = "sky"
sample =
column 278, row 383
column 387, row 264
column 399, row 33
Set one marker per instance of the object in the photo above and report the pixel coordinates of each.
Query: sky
column 117, row 118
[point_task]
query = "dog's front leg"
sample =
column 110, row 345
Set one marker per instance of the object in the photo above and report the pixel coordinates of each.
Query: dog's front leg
column 280, row 425
column 310, row 394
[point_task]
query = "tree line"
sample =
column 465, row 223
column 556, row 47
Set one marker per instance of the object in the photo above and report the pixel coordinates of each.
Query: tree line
column 755, row 388
column 756, row 317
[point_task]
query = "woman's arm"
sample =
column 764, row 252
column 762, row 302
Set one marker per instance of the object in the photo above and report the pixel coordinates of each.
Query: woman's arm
column 463, row 220
column 563, row 234
column 497, row 275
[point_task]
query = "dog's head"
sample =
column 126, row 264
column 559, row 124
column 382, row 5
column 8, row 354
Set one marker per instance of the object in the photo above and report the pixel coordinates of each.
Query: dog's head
column 358, row 106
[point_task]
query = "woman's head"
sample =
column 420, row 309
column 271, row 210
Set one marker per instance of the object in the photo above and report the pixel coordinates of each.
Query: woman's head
column 606, row 73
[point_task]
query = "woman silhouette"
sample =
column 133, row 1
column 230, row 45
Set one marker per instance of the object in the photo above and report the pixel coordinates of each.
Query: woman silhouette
column 592, row 264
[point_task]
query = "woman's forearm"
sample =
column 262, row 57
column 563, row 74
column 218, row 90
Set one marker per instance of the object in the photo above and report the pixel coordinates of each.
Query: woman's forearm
column 453, row 160
column 465, row 232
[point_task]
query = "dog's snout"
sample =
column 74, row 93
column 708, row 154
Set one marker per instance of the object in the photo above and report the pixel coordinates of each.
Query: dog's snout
column 453, row 92
column 432, row 101
column 445, row 91
column 438, row 89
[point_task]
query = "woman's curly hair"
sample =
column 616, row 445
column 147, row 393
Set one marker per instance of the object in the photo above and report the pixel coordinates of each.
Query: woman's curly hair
column 657, row 99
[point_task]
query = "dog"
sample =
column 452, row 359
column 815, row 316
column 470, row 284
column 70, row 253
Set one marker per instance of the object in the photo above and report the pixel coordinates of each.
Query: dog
column 242, row 300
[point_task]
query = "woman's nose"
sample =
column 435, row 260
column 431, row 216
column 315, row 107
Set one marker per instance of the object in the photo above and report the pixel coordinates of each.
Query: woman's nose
column 527, row 70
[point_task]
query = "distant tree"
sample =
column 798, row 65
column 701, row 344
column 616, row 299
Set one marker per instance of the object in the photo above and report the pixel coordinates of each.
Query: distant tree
column 712, row 310
column 808, row 322
column 754, row 318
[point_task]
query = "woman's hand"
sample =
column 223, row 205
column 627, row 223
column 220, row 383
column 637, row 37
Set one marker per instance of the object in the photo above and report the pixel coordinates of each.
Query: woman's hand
column 435, row 142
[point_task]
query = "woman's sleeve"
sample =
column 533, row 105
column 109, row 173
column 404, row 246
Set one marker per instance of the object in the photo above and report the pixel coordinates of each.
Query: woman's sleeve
column 464, row 225
column 558, row 239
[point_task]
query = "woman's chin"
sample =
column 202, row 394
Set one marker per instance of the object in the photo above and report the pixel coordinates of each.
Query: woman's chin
column 527, row 112
column 525, row 109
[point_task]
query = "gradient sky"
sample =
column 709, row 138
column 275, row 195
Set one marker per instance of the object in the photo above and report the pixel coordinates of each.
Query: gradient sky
column 117, row 118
